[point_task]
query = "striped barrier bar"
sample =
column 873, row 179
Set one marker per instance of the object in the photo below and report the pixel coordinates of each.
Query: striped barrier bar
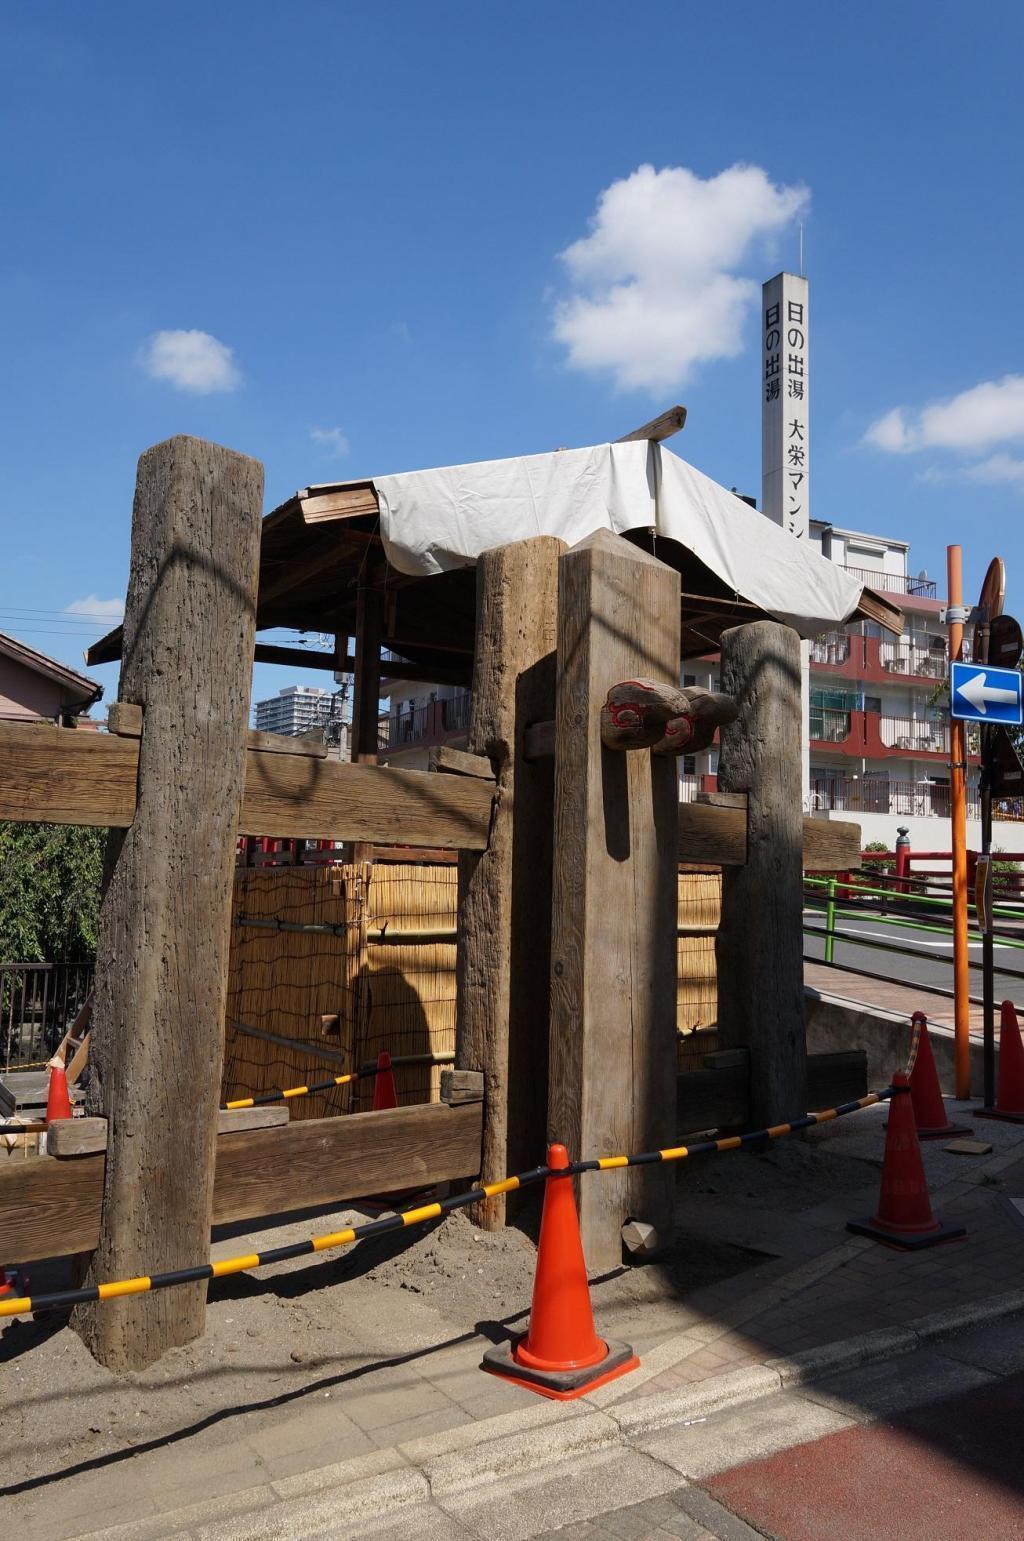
column 63, row 1299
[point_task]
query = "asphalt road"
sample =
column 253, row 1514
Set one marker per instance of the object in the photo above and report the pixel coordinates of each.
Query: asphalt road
column 932, row 969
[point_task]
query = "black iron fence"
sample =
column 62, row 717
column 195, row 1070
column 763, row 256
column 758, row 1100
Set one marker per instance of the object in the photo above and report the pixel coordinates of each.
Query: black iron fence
column 38, row 1003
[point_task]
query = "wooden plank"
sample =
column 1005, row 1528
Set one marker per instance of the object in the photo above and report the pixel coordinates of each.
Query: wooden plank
column 288, row 796
column 718, row 1097
column 661, row 427
column 759, row 946
column 65, row 776
column 831, row 845
column 69, row 777
column 539, row 743
column 310, row 744
column 836, row 1077
column 614, row 898
column 716, row 836
column 502, row 967
column 52, row 1208
column 458, row 1086
column 319, row 507
column 164, row 927
column 456, row 762
column 86, row 1136
column 125, row 719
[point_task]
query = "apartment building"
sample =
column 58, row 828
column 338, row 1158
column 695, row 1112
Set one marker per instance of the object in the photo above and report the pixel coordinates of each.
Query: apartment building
column 418, row 718
column 302, row 708
column 878, row 719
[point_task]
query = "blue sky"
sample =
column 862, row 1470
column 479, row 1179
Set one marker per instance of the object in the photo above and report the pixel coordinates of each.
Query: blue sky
column 362, row 208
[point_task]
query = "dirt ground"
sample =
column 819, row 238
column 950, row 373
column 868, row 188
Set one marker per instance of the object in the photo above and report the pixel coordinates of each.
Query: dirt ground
column 327, row 1320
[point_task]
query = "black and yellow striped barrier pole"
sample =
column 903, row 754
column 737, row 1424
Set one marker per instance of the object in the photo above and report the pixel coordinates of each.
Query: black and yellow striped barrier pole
column 64, row 1299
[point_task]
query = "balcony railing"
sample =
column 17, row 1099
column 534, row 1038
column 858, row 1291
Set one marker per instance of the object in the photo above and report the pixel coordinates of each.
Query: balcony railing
column 831, row 648
column 828, row 726
column 903, row 658
column 903, row 798
column 428, row 724
column 892, row 583
column 915, row 736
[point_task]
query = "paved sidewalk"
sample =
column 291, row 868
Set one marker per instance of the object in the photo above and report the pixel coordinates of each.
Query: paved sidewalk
column 420, row 1396
column 902, row 999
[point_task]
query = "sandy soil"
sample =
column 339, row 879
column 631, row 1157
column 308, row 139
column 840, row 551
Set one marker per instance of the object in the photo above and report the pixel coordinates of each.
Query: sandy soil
column 322, row 1320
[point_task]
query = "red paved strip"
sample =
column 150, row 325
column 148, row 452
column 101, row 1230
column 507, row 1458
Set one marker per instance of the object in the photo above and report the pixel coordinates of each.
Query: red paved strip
column 947, row 1472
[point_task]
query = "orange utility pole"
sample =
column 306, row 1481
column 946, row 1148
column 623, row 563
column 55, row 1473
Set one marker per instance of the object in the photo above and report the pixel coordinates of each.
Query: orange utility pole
column 958, row 819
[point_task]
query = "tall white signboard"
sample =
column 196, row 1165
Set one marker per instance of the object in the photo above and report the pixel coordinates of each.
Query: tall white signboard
column 785, row 435
column 785, row 417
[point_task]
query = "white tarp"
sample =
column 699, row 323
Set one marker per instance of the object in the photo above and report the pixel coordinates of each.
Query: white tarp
column 432, row 521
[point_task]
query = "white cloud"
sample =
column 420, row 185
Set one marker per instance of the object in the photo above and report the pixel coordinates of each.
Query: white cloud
column 193, row 361
column 1000, row 470
column 655, row 287
column 95, row 609
column 334, row 440
column 988, row 414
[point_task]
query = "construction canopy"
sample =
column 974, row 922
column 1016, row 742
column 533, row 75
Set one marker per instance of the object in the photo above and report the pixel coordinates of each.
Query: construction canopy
column 434, row 521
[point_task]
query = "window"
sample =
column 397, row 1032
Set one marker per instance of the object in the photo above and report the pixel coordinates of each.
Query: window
column 872, row 703
column 689, row 765
column 689, row 679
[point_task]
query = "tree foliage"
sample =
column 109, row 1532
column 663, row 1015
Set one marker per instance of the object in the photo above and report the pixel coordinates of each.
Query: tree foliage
column 50, row 881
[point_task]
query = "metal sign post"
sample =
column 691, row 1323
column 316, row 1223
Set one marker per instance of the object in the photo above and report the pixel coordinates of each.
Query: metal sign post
column 955, row 616
column 991, row 695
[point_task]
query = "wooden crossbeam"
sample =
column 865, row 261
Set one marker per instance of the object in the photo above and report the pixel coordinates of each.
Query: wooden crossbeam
column 52, row 1207
column 65, row 776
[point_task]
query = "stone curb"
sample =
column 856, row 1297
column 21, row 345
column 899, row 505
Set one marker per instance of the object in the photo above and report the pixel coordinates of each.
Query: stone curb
column 476, row 1455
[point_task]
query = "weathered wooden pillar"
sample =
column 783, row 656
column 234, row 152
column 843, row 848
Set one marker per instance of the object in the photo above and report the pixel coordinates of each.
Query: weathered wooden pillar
column 366, row 684
column 162, row 955
column 505, row 891
column 613, row 943
column 759, row 948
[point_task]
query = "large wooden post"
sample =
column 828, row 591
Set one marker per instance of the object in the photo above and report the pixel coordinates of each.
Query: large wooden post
column 505, row 891
column 613, row 944
column 760, row 939
column 162, row 956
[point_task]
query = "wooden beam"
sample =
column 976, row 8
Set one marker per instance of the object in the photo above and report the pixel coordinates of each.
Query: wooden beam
column 505, row 893
column 291, row 797
column 366, row 690
column 86, row 1136
column 759, row 945
column 718, row 1097
column 301, row 658
column 157, row 1041
column 52, row 1208
column 658, row 428
column 456, row 762
column 614, row 893
column 125, row 719
column 319, row 505
column 310, row 745
column 65, row 776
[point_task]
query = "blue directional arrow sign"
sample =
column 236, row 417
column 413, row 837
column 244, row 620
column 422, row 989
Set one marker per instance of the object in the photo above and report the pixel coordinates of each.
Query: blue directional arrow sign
column 978, row 693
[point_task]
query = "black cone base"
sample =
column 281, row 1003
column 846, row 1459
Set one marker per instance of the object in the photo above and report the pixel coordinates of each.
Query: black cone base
column 906, row 1241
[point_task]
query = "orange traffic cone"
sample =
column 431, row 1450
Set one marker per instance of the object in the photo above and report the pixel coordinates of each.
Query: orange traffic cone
column 1010, row 1086
column 904, row 1216
column 384, row 1094
column 926, row 1094
column 58, row 1103
column 561, row 1355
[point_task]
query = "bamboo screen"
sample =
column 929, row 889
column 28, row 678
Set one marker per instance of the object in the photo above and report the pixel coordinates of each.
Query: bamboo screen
column 350, row 989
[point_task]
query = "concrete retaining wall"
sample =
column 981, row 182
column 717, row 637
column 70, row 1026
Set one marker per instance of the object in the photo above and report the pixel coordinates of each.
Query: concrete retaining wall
column 834, row 1023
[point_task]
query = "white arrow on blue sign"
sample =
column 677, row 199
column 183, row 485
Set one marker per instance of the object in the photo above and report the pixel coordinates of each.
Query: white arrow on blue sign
column 980, row 694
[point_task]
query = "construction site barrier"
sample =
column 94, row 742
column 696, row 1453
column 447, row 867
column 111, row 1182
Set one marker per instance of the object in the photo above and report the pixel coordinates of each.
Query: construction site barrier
column 115, row 1289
